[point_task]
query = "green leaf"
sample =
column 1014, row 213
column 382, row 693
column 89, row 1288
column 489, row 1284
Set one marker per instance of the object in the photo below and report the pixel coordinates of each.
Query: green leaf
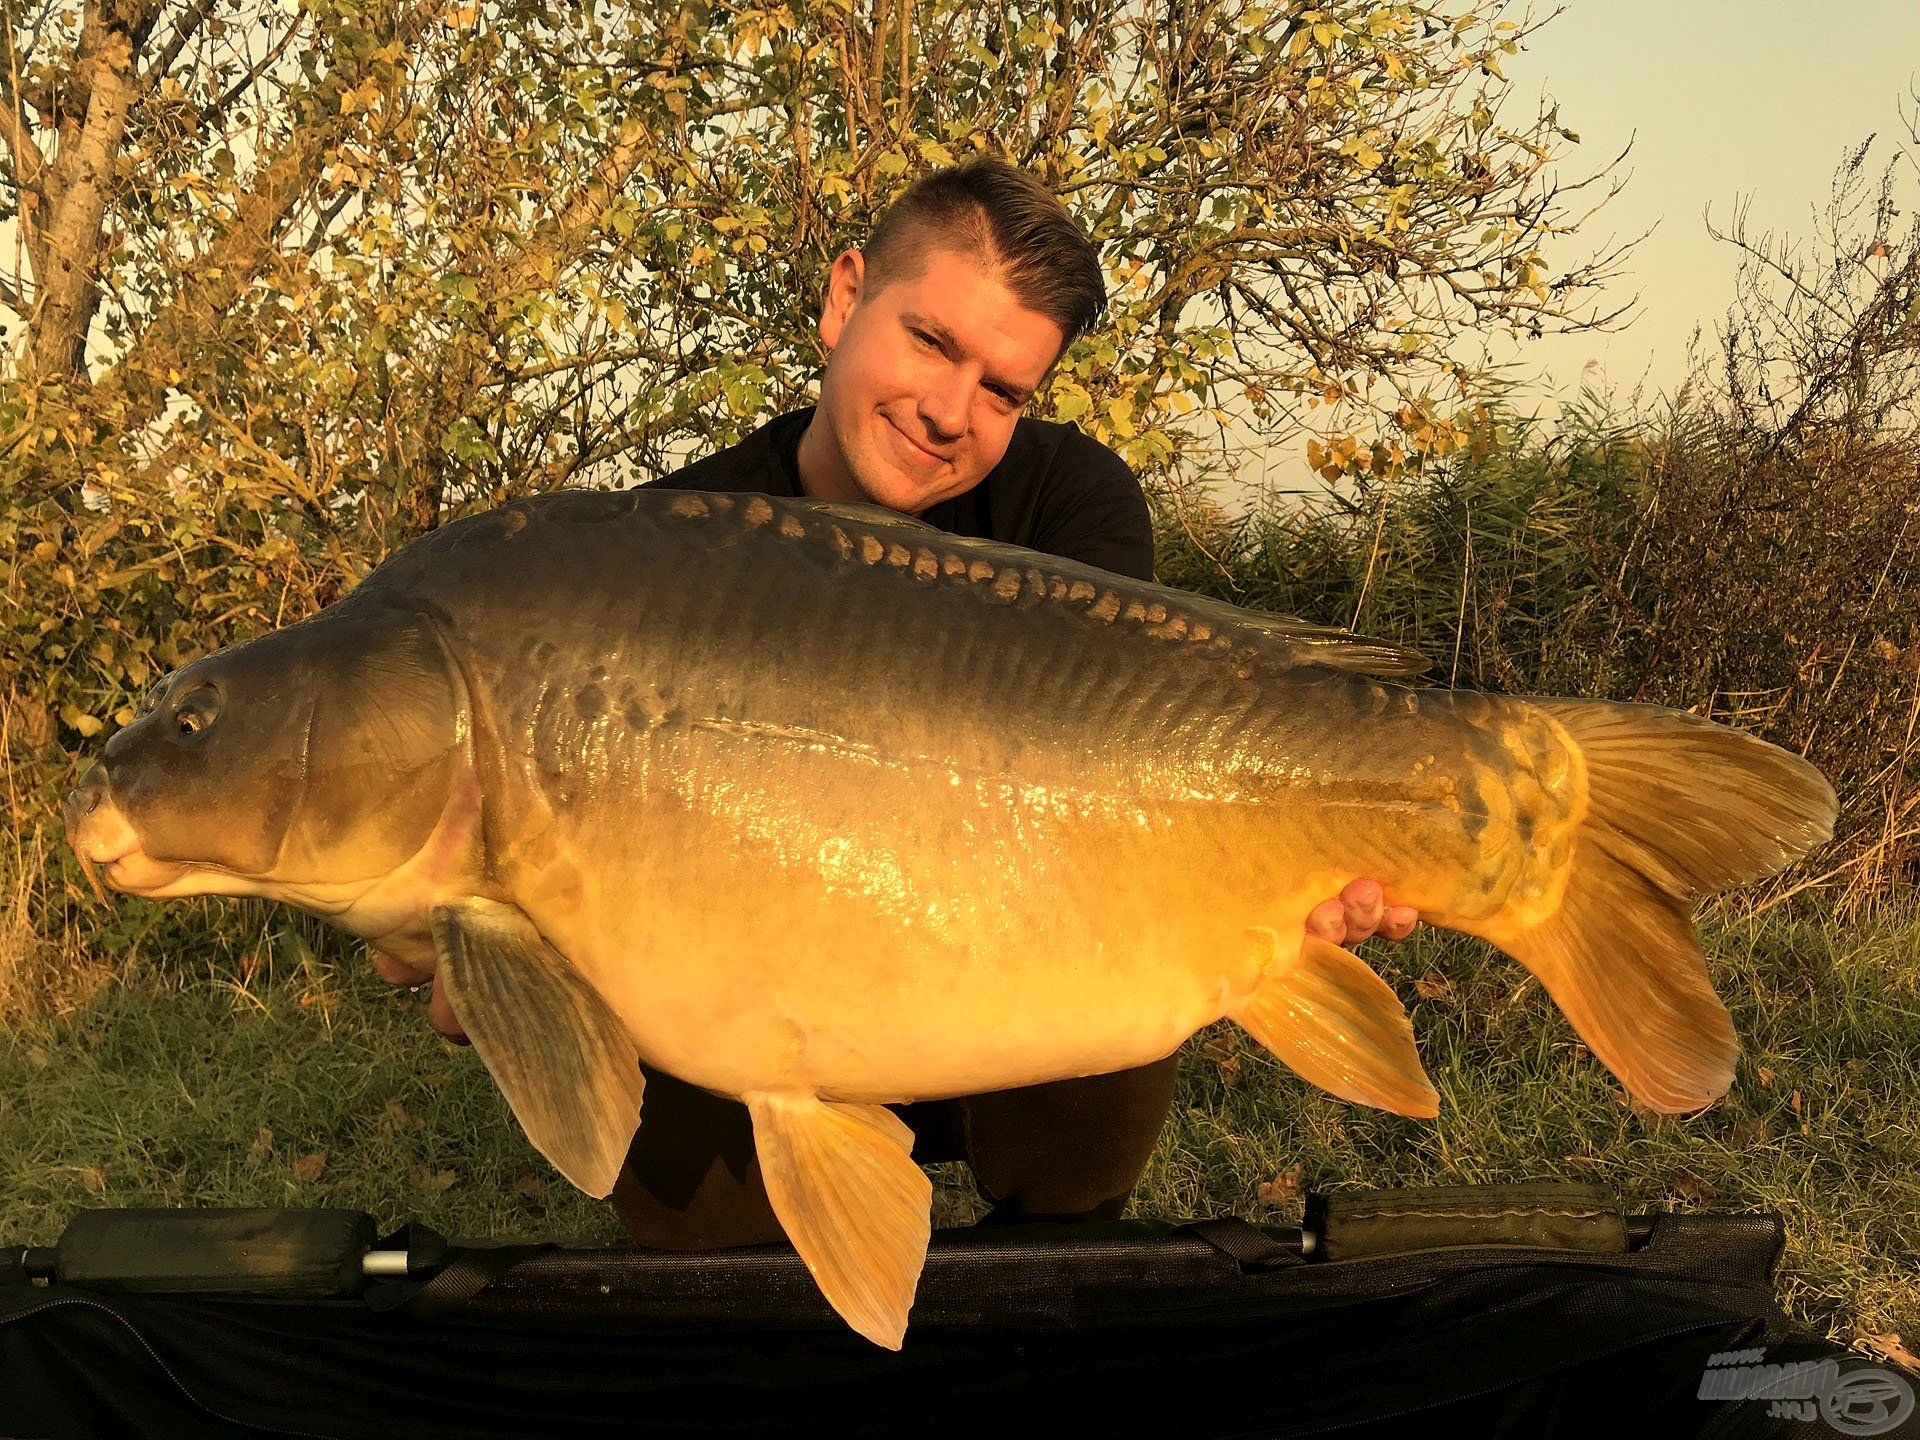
column 1069, row 402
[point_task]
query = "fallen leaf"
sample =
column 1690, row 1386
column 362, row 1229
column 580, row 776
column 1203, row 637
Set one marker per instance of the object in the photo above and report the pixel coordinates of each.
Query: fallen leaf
column 1766, row 1076
column 529, row 1186
column 1751, row 1131
column 425, row 1179
column 94, row 1177
column 262, row 1144
column 309, row 1167
column 1695, row 1191
column 1889, row 1347
column 1437, row 988
column 1223, row 1053
column 394, row 1115
column 1282, row 1188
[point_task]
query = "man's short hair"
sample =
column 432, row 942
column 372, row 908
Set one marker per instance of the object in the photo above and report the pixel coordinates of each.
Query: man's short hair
column 1008, row 218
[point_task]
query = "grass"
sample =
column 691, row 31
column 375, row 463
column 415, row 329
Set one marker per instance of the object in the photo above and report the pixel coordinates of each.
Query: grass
column 293, row 1076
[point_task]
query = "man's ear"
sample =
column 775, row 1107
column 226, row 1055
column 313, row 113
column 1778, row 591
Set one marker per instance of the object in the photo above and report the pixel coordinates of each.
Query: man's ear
column 846, row 282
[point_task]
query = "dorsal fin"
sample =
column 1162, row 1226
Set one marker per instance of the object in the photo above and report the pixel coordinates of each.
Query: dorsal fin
column 1258, row 638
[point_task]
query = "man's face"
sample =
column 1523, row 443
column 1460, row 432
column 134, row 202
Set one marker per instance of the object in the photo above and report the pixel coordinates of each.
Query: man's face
column 924, row 382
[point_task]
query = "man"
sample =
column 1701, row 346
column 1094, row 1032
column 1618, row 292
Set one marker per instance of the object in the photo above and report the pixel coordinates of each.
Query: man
column 938, row 333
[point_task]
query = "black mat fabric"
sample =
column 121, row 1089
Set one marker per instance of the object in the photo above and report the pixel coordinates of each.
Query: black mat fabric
column 1119, row 1329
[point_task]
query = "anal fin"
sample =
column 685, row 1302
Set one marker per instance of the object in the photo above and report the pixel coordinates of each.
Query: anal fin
column 1340, row 1026
column 553, row 1046
column 844, row 1185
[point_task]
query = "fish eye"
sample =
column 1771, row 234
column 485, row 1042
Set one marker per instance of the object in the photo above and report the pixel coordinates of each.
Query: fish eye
column 197, row 710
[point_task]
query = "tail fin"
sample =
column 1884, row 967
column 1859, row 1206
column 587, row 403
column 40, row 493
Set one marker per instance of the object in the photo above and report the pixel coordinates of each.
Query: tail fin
column 1678, row 808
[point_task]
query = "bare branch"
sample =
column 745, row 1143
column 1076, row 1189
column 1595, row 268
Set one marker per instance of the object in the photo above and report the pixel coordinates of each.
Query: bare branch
column 16, row 130
column 214, row 113
column 184, row 30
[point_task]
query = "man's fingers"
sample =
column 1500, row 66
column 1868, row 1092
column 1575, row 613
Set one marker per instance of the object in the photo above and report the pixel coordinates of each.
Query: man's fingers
column 1328, row 920
column 1362, row 902
column 1398, row 922
column 440, row 1015
column 439, row 1008
column 395, row 972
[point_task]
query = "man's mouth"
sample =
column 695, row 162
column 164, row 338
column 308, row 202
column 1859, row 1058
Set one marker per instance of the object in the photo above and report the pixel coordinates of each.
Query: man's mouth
column 915, row 450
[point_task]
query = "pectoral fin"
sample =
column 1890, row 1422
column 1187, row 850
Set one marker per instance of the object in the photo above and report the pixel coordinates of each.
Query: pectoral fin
column 843, row 1182
column 1329, row 1017
column 555, row 1049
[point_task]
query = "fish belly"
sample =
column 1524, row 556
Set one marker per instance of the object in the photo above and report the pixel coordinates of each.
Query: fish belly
column 803, row 915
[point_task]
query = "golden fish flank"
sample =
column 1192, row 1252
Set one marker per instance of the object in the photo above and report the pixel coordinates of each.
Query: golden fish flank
column 701, row 779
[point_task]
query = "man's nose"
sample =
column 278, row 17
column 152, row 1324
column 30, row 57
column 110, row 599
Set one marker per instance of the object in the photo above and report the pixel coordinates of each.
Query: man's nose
column 944, row 405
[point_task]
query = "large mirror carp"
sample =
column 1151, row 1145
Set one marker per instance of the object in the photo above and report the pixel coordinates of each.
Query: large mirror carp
column 822, row 809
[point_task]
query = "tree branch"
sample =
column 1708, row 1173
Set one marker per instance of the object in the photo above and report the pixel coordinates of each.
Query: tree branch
column 28, row 164
column 188, row 26
column 218, row 110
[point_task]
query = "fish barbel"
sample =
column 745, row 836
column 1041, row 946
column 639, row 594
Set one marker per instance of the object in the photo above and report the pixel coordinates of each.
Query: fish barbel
column 822, row 809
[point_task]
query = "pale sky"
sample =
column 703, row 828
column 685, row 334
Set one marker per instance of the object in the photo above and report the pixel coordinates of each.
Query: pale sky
column 1723, row 99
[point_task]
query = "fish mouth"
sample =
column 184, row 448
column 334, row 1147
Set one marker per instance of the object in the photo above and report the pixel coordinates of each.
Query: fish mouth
column 134, row 872
column 137, row 873
column 109, row 848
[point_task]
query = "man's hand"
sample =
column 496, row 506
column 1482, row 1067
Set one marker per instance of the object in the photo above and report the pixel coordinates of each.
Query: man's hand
column 439, row 1009
column 1360, row 911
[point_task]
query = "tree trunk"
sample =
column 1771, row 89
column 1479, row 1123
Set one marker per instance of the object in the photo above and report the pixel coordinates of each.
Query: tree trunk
column 69, row 291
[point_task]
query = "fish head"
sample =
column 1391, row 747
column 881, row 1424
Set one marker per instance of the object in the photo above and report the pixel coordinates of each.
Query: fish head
column 305, row 765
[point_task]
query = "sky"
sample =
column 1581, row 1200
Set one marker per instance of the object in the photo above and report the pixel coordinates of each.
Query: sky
column 1723, row 100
